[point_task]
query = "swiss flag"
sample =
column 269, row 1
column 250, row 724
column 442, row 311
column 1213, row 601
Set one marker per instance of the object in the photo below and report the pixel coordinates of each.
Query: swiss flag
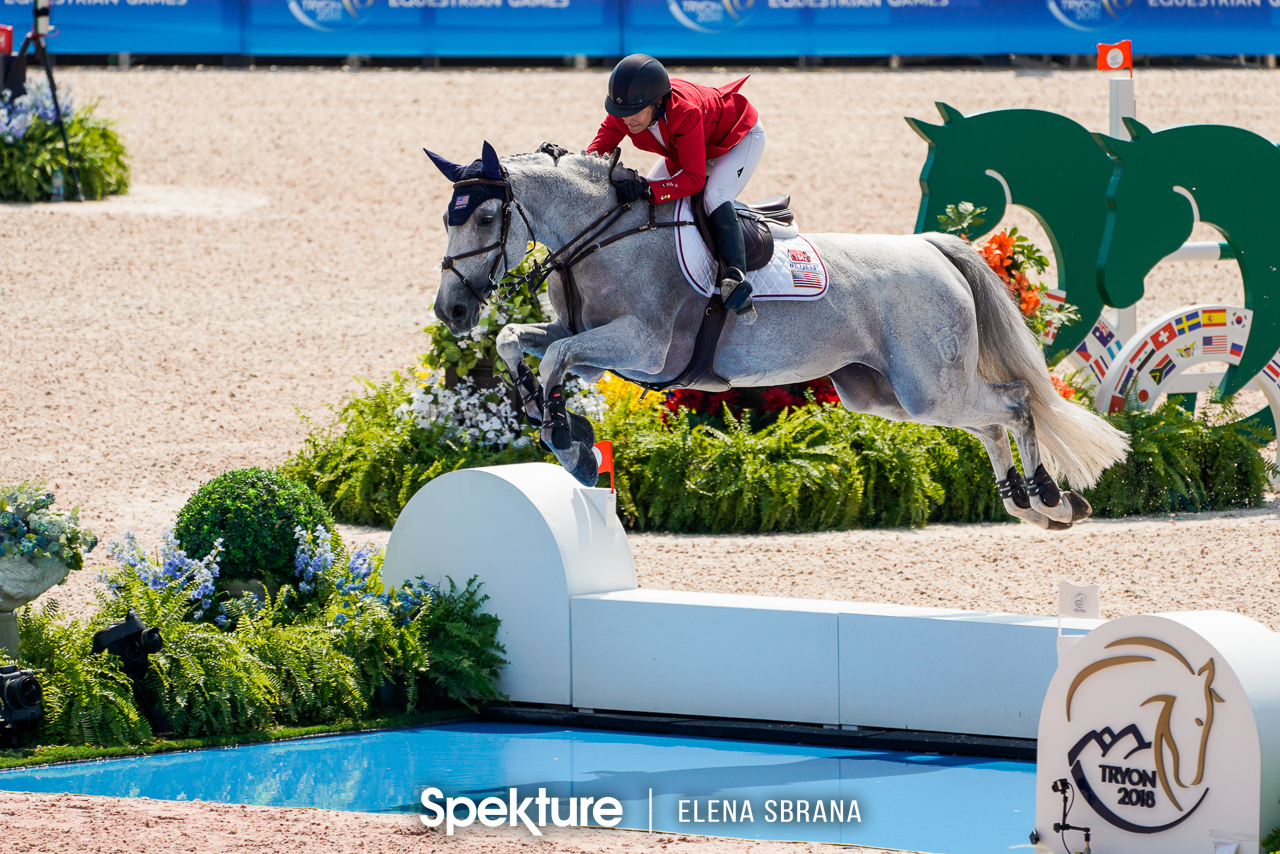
column 604, row 459
column 1113, row 57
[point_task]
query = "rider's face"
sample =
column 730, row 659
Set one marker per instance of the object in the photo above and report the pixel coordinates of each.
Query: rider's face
column 640, row 120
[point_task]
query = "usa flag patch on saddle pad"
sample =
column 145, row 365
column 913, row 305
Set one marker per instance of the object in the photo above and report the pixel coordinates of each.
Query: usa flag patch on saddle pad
column 795, row 271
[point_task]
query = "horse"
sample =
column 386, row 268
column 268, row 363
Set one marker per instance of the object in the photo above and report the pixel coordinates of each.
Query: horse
column 1165, row 182
column 1044, row 162
column 912, row 328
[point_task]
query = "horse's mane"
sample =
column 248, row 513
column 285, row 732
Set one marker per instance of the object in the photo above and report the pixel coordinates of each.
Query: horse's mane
column 579, row 165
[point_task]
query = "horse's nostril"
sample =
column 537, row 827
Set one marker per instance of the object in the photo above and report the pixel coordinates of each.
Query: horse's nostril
column 458, row 312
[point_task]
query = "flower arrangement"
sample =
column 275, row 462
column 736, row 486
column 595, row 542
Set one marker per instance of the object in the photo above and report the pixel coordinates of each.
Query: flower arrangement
column 462, row 382
column 1015, row 259
column 30, row 530
column 31, row 147
column 166, row 568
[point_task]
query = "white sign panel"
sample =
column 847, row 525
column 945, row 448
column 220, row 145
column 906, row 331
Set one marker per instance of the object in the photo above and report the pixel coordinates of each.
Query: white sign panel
column 1160, row 735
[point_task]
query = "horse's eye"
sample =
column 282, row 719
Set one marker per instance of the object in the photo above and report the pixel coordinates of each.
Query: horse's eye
column 486, row 219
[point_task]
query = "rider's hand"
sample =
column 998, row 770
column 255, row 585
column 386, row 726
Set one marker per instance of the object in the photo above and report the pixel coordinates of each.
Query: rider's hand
column 631, row 189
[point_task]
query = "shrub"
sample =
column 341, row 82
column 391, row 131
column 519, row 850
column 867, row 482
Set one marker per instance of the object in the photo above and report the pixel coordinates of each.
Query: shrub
column 87, row 698
column 370, row 461
column 1180, row 462
column 254, row 513
column 31, row 147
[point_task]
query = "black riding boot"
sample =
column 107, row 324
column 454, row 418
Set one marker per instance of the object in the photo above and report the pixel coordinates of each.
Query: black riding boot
column 735, row 290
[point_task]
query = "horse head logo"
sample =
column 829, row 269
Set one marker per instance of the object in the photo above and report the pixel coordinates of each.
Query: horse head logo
column 1183, row 718
column 957, row 170
column 1148, row 215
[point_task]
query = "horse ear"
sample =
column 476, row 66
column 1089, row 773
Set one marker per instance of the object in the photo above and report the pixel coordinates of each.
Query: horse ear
column 929, row 133
column 489, row 162
column 447, row 168
column 1136, row 129
column 1111, row 145
column 950, row 114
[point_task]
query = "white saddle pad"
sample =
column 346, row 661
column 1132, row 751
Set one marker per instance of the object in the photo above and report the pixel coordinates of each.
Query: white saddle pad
column 794, row 272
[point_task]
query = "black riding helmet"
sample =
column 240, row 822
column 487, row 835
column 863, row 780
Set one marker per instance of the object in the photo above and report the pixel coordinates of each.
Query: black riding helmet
column 636, row 82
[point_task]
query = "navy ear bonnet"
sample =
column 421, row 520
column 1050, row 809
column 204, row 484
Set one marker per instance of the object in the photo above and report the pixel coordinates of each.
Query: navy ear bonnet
column 468, row 197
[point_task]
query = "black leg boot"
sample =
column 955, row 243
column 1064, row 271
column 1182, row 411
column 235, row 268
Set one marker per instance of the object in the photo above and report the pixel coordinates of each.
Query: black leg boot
column 735, row 290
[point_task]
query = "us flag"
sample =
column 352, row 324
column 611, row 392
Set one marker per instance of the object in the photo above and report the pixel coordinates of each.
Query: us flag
column 1214, row 345
column 805, row 279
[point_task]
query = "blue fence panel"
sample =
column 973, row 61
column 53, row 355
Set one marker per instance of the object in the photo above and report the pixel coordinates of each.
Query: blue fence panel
column 433, row 27
column 135, row 26
column 714, row 28
column 664, row 28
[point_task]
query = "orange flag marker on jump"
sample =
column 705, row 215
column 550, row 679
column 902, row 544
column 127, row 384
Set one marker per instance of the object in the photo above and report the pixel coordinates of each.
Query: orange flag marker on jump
column 604, row 459
column 1113, row 57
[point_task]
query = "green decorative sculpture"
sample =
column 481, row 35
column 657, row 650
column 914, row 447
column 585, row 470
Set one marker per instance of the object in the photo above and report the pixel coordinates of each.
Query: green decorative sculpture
column 1164, row 182
column 1044, row 162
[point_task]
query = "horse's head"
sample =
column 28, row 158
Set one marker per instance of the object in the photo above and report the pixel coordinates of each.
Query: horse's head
column 485, row 229
column 956, row 171
column 1148, row 217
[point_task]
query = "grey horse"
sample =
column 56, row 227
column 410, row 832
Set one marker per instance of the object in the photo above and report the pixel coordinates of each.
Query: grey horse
column 912, row 328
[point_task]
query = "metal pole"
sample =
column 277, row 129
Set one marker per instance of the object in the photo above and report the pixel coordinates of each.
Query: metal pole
column 57, row 112
column 1124, row 320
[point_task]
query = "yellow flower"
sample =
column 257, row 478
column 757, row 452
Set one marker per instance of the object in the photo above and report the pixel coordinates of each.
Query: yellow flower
column 620, row 392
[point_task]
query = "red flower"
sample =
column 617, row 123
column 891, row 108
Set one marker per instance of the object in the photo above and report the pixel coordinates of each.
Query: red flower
column 1063, row 389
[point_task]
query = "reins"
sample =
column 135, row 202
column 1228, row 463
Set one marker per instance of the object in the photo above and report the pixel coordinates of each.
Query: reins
column 562, row 260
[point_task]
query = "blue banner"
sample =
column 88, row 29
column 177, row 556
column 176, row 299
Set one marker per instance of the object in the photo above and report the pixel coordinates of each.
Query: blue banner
column 664, row 28
column 433, row 27
column 134, row 26
column 714, row 28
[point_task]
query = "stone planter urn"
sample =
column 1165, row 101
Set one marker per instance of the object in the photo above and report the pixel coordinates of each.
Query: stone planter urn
column 22, row 580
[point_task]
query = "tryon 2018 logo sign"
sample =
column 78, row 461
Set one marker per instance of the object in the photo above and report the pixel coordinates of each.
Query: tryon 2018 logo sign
column 710, row 16
column 1090, row 15
column 1151, row 737
column 330, row 15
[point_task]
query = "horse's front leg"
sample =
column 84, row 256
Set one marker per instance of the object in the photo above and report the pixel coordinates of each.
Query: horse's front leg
column 626, row 344
column 514, row 341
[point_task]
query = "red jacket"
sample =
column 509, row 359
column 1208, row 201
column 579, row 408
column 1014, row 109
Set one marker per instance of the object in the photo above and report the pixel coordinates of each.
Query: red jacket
column 698, row 123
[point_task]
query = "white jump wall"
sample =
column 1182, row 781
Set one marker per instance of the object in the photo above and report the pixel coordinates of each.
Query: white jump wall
column 557, row 567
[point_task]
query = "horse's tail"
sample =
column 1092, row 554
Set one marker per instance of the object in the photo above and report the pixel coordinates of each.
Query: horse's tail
column 1076, row 444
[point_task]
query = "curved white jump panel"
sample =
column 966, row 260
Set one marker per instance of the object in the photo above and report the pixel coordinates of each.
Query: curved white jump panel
column 555, row 562
column 536, row 538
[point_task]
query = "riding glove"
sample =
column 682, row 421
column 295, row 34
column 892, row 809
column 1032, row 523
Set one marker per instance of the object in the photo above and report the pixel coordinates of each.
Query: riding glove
column 630, row 189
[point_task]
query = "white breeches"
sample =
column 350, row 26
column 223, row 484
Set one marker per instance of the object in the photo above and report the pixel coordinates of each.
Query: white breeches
column 727, row 174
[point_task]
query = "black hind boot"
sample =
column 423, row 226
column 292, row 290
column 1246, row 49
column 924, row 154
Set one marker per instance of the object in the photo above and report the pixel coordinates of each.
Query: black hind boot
column 735, row 290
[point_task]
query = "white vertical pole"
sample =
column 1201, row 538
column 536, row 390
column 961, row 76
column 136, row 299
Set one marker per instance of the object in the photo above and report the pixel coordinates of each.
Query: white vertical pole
column 1124, row 320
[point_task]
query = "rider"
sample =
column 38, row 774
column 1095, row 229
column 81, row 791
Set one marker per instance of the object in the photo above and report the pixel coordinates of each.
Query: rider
column 711, row 140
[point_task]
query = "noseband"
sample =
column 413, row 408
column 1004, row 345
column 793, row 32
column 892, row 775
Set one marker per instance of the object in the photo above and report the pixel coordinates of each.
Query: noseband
column 508, row 200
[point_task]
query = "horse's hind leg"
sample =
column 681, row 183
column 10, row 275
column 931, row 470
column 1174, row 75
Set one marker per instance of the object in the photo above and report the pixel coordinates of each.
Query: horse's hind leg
column 1008, row 406
column 1013, row 489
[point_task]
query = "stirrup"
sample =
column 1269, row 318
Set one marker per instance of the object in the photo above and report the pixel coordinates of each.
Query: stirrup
column 735, row 290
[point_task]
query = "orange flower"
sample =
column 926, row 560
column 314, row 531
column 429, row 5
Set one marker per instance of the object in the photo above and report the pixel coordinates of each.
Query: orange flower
column 1030, row 301
column 1063, row 389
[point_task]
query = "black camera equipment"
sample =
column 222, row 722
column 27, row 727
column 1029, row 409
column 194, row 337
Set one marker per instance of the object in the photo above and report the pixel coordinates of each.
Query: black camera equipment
column 134, row 644
column 20, row 697
column 16, row 79
column 1063, row 787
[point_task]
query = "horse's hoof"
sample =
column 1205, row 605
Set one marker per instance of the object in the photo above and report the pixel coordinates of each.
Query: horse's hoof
column 1055, row 525
column 557, row 436
column 1080, row 507
column 587, row 471
column 582, row 431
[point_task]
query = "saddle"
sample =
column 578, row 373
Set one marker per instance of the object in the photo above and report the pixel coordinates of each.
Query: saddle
column 755, row 219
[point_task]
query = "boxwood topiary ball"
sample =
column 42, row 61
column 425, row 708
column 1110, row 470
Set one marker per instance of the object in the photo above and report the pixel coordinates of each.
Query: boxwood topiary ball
column 254, row 511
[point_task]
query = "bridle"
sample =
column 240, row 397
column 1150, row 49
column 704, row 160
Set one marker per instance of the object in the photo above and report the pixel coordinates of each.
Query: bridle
column 562, row 260
column 508, row 201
